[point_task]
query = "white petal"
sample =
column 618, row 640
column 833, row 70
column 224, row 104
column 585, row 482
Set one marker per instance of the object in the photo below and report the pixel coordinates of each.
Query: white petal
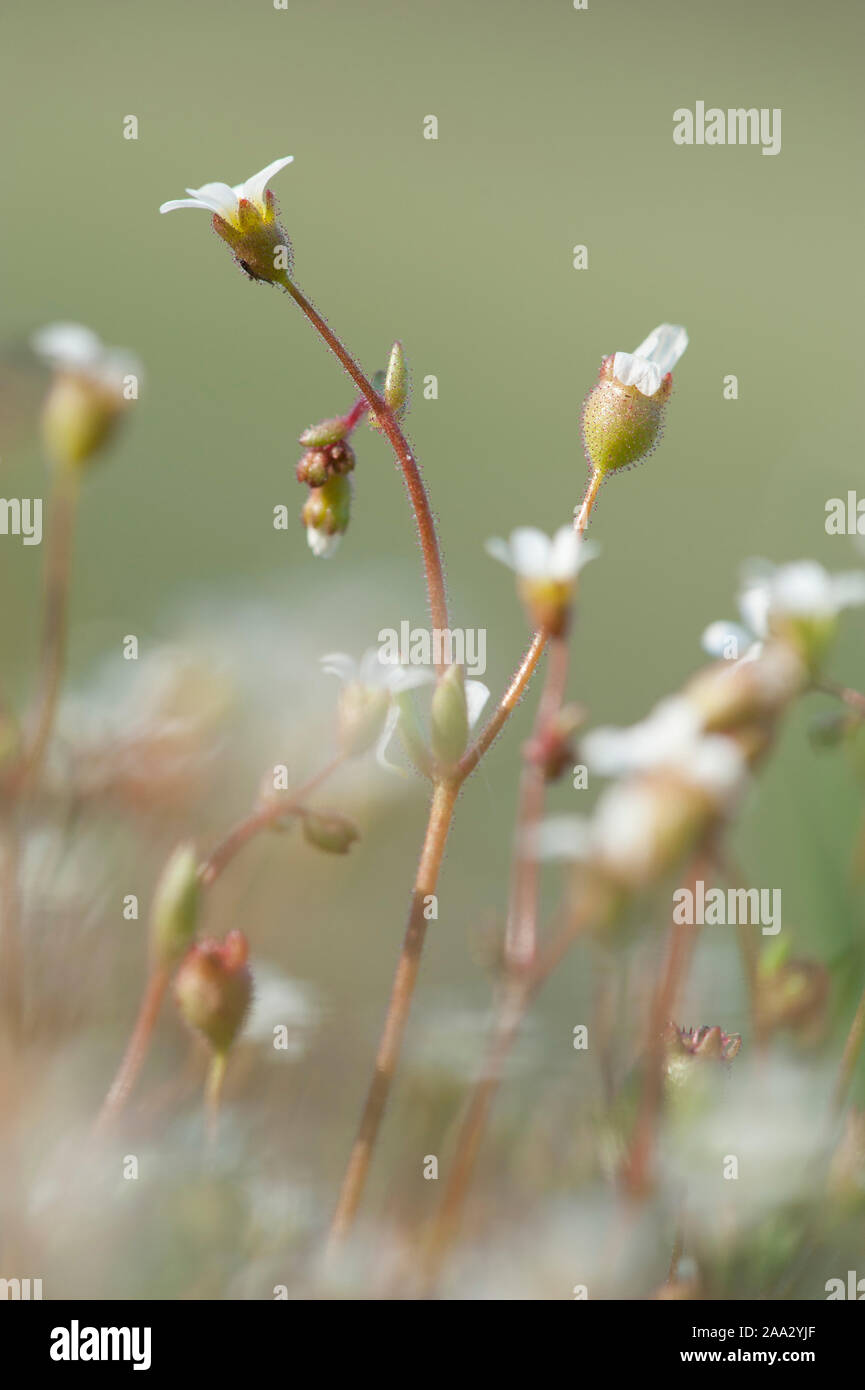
column 664, row 346
column 848, row 589
column 499, row 550
column 564, row 563
column 754, row 603
column 218, row 197
column 339, row 664
column 400, row 678
column 321, row 544
column 563, row 837
column 726, row 640
column 67, row 344
column 632, row 370
column 477, row 695
column 255, row 186
column 185, row 203
column 716, row 764
column 385, row 737
column 531, row 550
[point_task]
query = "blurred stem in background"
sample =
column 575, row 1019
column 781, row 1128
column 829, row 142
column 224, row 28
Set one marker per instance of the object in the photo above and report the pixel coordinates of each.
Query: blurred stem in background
column 441, row 813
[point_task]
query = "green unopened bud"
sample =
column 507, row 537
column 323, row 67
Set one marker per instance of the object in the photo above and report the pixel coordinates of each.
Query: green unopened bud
column 93, row 385
column 394, row 384
column 213, row 989
column 325, row 432
column 330, row 831
column 176, row 903
column 326, row 515
column 411, row 734
column 396, row 380
column 449, row 719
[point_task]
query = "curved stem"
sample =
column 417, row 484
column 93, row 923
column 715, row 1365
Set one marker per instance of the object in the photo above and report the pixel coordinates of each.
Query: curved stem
column 411, row 473
column 387, row 1055
column 260, row 818
column 136, row 1051
column 506, row 706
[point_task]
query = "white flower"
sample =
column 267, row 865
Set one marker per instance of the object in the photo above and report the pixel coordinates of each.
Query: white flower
column 670, row 738
column 224, row 200
column 321, row 544
column 620, row 835
column 647, row 366
column 373, row 672
column 377, row 675
column 802, row 590
column 75, row 350
column 535, row 556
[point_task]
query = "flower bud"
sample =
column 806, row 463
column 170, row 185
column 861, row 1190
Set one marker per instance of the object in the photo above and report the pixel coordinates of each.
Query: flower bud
column 330, row 831
column 328, row 461
column 92, row 387
column 176, row 903
column 213, row 989
column 792, row 994
column 326, row 515
column 258, row 241
column 449, row 718
column 622, row 417
column 553, row 749
column 394, row 384
column 324, row 433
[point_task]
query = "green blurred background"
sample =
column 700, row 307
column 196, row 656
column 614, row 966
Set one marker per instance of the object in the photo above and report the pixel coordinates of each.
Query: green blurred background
column 555, row 128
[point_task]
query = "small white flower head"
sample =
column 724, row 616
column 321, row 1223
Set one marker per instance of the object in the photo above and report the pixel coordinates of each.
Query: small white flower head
column 368, row 712
column 547, row 569
column 72, row 349
column 92, row 386
column 799, row 603
column 669, row 740
column 245, row 217
column 622, row 416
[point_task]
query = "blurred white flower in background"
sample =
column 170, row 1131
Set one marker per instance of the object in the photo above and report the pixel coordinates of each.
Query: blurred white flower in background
column 801, row 590
column 670, row 738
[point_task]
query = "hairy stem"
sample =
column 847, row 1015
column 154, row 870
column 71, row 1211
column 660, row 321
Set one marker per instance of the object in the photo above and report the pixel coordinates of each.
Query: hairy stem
column 137, row 1048
column 411, row 473
column 402, row 991
column 260, row 818
column 521, row 933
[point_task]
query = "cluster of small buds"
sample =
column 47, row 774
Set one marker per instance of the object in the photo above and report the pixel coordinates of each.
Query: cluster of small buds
column 324, row 468
column 321, row 464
